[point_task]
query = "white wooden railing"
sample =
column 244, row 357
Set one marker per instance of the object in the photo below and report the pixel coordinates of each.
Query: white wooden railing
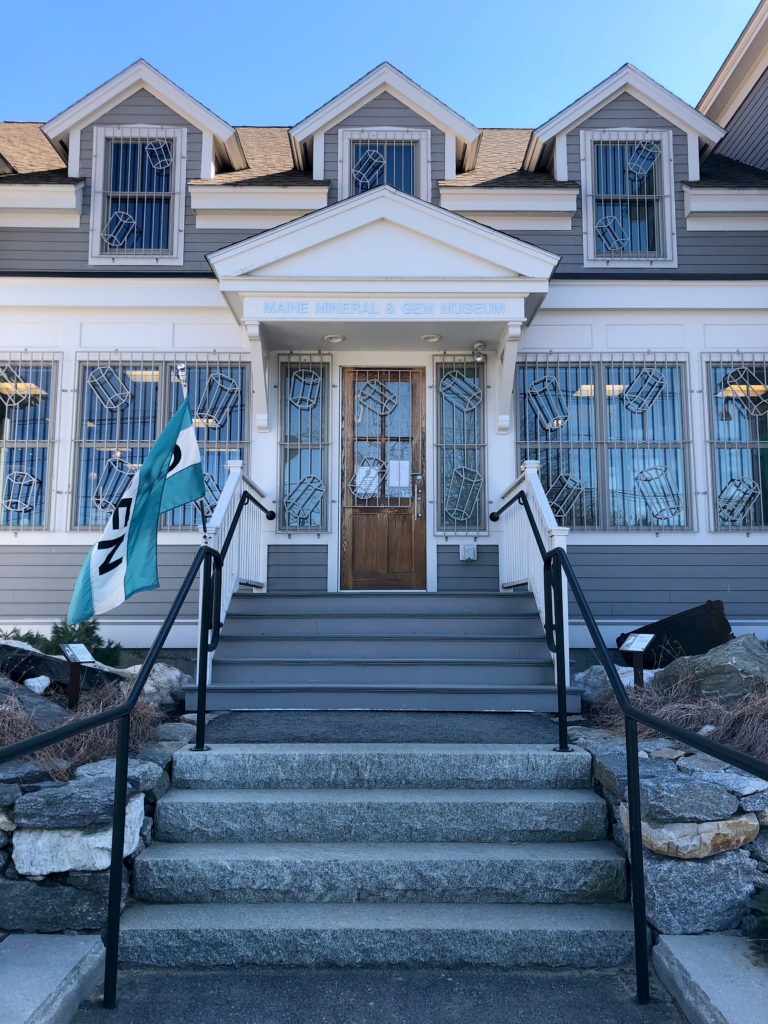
column 243, row 561
column 520, row 562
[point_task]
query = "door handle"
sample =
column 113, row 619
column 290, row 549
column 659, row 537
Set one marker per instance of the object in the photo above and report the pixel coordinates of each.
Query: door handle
column 418, row 502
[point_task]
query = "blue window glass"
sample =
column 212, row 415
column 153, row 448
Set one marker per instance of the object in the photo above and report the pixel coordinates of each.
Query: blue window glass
column 138, row 196
column 627, row 196
column 384, row 163
column 26, row 405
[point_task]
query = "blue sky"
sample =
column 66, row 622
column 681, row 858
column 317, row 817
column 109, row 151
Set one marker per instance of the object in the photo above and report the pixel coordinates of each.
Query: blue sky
column 505, row 63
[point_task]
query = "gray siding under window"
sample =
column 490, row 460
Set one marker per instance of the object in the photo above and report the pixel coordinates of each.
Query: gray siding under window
column 383, row 111
column 705, row 252
column 454, row 576
column 58, row 250
column 747, row 138
column 293, row 568
column 36, row 582
column 649, row 582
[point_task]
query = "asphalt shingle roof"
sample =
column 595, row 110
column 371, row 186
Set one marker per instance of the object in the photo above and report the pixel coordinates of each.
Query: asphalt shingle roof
column 26, row 149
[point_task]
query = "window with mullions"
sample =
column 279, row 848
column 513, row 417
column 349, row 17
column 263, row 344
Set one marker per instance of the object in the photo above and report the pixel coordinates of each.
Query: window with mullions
column 138, row 194
column 124, row 406
column 628, row 204
column 611, row 440
column 460, row 445
column 26, row 438
column 304, row 383
column 738, row 399
column 384, row 163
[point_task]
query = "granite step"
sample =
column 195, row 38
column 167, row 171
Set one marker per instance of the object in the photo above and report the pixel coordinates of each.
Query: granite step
column 380, row 815
column 589, row 872
column 376, row 935
column 381, row 766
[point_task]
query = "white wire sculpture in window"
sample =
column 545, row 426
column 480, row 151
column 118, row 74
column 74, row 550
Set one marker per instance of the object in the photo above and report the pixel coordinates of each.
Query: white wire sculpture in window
column 369, row 168
column 612, row 234
column 109, row 389
column 20, row 494
column 736, row 499
column 460, row 391
column 114, row 478
column 367, row 477
column 563, row 493
column 642, row 159
column 304, row 498
column 375, row 397
column 548, row 403
column 120, row 229
column 643, row 391
column 220, row 397
column 211, row 496
column 747, row 389
column 660, row 492
column 15, row 391
column 160, row 154
column 304, row 389
column 462, row 493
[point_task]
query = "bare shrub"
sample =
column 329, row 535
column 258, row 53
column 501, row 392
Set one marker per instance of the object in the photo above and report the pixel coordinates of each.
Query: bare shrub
column 61, row 759
column 746, row 726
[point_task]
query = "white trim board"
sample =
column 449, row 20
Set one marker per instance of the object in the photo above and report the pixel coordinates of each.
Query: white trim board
column 46, row 205
column 739, row 71
column 725, row 209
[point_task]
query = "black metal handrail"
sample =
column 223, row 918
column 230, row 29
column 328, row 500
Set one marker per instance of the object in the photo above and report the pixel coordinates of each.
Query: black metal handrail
column 557, row 565
column 210, row 561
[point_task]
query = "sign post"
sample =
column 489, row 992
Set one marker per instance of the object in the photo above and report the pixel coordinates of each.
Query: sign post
column 77, row 655
column 636, row 644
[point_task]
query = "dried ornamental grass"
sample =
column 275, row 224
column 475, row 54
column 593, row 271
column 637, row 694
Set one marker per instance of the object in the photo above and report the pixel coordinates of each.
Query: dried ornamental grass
column 61, row 759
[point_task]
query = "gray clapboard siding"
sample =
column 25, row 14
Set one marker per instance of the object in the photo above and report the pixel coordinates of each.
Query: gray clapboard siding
column 650, row 581
column 747, row 138
column 37, row 580
column 66, row 250
column 297, row 567
column 706, row 252
column 383, row 111
column 455, row 576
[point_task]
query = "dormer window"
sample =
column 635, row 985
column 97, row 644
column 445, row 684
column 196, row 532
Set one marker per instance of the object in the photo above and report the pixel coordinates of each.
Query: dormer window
column 398, row 157
column 628, row 202
column 137, row 214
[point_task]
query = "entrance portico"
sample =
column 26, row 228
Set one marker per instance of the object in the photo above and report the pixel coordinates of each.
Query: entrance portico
column 366, row 317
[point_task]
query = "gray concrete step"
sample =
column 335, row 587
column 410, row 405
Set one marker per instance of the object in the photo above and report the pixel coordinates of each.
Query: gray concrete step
column 380, row 815
column 262, row 622
column 392, row 646
column 381, row 766
column 380, row 873
column 384, row 603
column 332, row 934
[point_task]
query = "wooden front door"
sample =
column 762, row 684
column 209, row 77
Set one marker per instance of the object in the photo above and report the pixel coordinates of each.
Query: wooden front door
column 383, row 533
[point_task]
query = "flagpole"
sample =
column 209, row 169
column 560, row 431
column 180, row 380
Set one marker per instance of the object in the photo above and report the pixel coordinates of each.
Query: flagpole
column 181, row 370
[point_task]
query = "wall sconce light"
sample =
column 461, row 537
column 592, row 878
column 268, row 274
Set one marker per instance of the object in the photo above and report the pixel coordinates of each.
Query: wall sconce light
column 430, row 339
column 333, row 339
column 478, row 351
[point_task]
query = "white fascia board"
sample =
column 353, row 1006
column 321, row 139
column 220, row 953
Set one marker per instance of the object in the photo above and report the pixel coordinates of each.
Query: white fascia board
column 141, row 75
column 384, row 78
column 725, row 209
column 41, row 206
column 555, row 200
column 257, row 208
column 627, row 79
column 383, row 203
column 739, row 71
column 617, row 295
column 105, row 292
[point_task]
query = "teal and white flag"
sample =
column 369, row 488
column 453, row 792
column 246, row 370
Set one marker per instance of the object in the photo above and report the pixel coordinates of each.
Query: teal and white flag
column 124, row 561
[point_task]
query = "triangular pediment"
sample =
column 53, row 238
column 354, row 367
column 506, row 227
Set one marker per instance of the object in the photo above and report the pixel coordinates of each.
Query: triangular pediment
column 383, row 234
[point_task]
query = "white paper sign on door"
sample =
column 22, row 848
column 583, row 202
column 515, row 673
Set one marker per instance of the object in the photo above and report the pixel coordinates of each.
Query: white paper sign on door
column 399, row 474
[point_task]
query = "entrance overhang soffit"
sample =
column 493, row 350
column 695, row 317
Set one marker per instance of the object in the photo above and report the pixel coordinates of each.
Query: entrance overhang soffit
column 385, row 257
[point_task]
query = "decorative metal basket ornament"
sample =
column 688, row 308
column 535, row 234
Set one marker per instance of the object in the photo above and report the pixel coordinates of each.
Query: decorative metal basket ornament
column 367, row 477
column 160, row 154
column 462, row 493
column 221, row 395
column 643, row 391
column 736, row 499
column 642, row 159
column 20, row 492
column 114, row 478
column 377, row 398
column 563, row 493
column 15, row 391
column 548, row 402
column 612, row 234
column 304, row 389
column 751, row 393
column 211, row 496
column 461, row 391
column 108, row 387
column 660, row 492
column 304, row 498
column 368, row 168
column 119, row 228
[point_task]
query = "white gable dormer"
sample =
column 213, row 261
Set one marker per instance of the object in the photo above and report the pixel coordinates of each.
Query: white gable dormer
column 308, row 137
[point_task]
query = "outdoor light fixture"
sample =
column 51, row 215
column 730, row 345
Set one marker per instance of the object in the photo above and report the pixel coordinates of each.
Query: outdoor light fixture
column 430, row 339
column 333, row 339
column 478, row 351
